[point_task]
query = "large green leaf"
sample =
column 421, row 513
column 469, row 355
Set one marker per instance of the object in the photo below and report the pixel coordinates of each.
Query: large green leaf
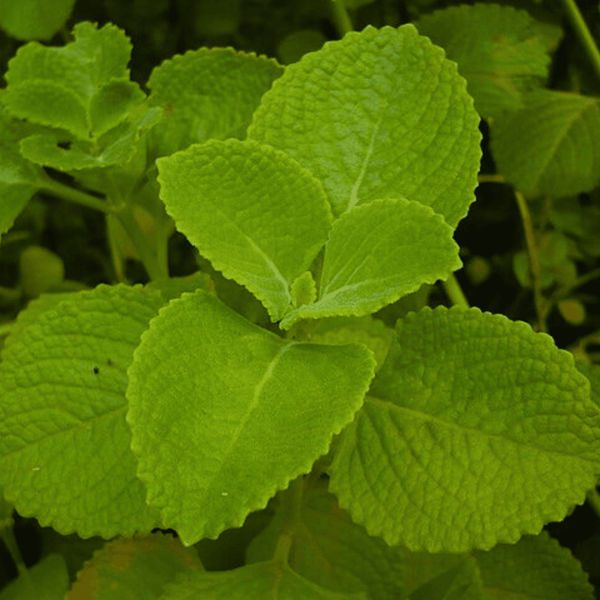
column 224, row 413
column 332, row 551
column 254, row 212
column 65, row 453
column 377, row 253
column 501, row 52
column 273, row 580
column 207, row 93
column 47, row 580
column 34, row 19
column 548, row 147
column 379, row 114
column 476, row 430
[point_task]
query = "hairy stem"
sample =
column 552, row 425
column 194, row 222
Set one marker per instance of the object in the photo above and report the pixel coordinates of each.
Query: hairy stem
column 583, row 33
column 534, row 262
column 56, row 188
column 340, row 18
column 293, row 507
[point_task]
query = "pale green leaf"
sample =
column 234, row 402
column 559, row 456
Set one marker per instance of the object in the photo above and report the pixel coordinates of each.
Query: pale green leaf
column 549, row 146
column 133, row 569
column 475, row 431
column 65, row 453
column 333, row 552
column 82, row 87
column 207, row 93
column 251, row 210
column 536, row 567
column 272, row 580
column 224, row 413
column 47, row 580
column 500, row 51
column 34, row 19
column 379, row 114
column 377, row 253
column 303, row 290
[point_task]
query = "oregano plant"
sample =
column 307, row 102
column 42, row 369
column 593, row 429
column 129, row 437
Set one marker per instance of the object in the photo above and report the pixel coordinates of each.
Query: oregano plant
column 302, row 392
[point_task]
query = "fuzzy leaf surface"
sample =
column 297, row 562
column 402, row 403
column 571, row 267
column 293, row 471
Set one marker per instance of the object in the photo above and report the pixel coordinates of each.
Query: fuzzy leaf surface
column 151, row 562
column 501, row 52
column 475, row 431
column 207, row 93
column 377, row 253
column 547, row 147
column 378, row 114
column 60, row 87
column 333, row 552
column 65, row 453
column 224, row 413
column 34, row 19
column 272, row 580
column 255, row 213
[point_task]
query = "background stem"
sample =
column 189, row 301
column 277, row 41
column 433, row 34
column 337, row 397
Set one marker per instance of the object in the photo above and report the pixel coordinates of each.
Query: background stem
column 583, row 33
column 340, row 18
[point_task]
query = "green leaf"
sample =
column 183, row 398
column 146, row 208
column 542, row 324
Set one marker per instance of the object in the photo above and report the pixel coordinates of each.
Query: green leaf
column 303, row 290
column 500, row 51
column 461, row 582
column 47, row 580
column 377, row 253
column 207, row 93
column 151, row 562
column 224, row 413
column 535, row 567
column 476, row 430
column 64, row 443
column 546, row 148
column 83, row 87
column 378, row 114
column 34, row 19
column 333, row 552
column 251, row 210
column 272, row 580
column 19, row 179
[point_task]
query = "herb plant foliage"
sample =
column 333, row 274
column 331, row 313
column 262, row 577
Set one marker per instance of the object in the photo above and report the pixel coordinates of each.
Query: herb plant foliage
column 417, row 461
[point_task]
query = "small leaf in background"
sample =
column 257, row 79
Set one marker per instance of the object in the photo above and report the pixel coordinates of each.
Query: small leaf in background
column 133, row 569
column 461, row 582
column 47, row 580
column 224, row 414
column 378, row 114
column 303, row 289
column 207, row 93
column 65, row 454
column 535, row 567
column 377, row 253
column 19, row 179
column 294, row 46
column 273, row 580
column 333, row 552
column 500, row 51
column 258, row 216
column 34, row 19
column 475, row 431
column 547, row 147
column 41, row 270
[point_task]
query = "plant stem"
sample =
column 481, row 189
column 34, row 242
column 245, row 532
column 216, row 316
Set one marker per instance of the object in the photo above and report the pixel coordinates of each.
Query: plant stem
column 154, row 267
column 593, row 498
column 534, row 263
column 340, row 18
column 294, row 500
column 8, row 537
column 583, row 33
column 454, row 292
column 56, row 188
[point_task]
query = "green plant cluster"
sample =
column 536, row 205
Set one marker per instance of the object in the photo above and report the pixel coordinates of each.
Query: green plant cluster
column 313, row 409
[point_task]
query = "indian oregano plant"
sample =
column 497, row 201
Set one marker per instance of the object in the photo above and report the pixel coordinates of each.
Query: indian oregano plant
column 266, row 392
